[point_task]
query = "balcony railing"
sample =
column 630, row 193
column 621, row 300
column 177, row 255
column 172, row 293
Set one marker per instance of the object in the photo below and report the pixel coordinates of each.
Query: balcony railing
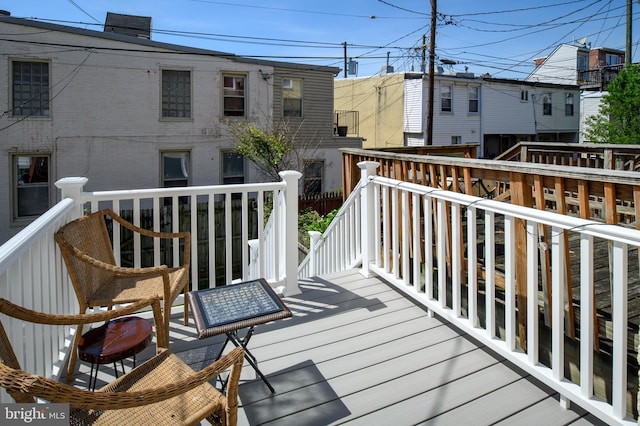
column 599, row 78
column 222, row 220
column 444, row 249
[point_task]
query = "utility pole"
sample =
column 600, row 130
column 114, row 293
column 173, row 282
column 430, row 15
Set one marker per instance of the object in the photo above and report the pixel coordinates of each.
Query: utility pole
column 345, row 59
column 423, row 67
column 627, row 55
column 432, row 59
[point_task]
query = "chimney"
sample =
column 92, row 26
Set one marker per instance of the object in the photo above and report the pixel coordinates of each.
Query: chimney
column 539, row 61
column 134, row 26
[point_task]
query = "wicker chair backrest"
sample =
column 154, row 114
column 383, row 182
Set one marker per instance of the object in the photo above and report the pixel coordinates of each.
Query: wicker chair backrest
column 87, row 236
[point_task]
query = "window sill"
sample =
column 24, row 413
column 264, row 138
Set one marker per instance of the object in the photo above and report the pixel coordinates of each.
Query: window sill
column 176, row 119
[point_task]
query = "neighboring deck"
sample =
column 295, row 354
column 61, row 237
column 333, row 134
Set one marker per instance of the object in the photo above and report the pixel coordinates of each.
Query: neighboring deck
column 358, row 352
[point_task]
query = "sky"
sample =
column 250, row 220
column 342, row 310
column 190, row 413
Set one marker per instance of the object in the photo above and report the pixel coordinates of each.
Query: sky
column 498, row 37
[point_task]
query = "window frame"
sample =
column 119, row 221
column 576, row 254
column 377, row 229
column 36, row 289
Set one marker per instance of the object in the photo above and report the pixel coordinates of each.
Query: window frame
column 43, row 90
column 524, row 95
column 547, row 107
column 183, row 104
column 582, row 61
column 612, row 59
column 227, row 112
column 232, row 179
column 569, row 107
column 308, row 181
column 296, row 83
column 16, row 215
column 443, row 98
column 164, row 180
column 456, row 140
column 476, row 100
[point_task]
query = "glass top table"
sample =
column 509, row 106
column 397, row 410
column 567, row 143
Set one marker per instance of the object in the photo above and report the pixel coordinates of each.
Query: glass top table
column 228, row 309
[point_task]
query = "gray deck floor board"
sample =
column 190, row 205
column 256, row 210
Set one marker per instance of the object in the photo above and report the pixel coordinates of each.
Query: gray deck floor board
column 357, row 352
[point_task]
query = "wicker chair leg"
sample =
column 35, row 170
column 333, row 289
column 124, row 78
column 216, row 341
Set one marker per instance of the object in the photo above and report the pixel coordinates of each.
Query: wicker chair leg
column 186, row 309
column 71, row 366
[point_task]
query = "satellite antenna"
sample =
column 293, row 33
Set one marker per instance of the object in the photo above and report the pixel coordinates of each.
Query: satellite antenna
column 583, row 41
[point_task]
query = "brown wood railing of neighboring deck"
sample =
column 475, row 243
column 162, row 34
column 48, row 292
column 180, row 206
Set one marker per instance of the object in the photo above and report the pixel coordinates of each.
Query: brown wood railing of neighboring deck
column 606, row 195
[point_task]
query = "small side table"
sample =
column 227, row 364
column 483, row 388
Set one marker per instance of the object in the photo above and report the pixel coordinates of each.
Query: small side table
column 112, row 342
column 230, row 308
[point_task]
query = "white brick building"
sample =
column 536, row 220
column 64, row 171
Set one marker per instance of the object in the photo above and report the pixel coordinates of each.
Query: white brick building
column 129, row 112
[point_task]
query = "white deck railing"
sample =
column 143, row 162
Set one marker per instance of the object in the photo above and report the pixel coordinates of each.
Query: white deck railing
column 378, row 226
column 32, row 272
column 339, row 248
column 404, row 239
column 32, row 275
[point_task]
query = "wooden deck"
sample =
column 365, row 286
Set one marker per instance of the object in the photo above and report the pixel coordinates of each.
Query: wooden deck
column 358, row 352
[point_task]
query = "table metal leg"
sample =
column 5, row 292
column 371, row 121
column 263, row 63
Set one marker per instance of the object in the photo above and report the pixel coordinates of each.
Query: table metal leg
column 242, row 342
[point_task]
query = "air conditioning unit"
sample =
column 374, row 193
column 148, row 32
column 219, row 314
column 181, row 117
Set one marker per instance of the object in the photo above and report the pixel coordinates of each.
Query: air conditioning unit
column 287, row 84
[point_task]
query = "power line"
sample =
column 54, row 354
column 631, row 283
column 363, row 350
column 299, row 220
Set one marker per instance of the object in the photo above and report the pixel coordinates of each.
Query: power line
column 77, row 6
column 316, row 12
column 525, row 9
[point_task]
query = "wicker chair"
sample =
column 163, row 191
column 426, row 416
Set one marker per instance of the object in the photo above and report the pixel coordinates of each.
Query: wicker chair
column 161, row 391
column 97, row 281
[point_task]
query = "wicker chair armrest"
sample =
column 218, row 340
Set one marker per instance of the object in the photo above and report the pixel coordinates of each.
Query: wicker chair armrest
column 121, row 270
column 105, row 399
column 25, row 314
column 148, row 233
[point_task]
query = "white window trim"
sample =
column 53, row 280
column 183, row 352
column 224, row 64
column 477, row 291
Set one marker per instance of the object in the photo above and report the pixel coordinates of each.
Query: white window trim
column 442, row 111
column 301, row 98
column 224, row 74
column 477, row 99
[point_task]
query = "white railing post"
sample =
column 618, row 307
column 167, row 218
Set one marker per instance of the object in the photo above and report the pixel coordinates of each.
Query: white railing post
column 290, row 242
column 367, row 169
column 71, row 187
column 254, row 259
column 314, row 237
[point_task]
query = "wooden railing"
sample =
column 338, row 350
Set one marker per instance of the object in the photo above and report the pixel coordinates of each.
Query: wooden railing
column 323, row 203
column 428, row 241
column 597, row 156
column 602, row 195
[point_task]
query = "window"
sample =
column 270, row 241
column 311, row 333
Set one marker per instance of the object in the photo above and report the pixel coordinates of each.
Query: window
column 583, row 62
column 456, row 140
column 568, row 104
column 232, row 168
column 175, row 169
column 176, row 94
column 292, row 97
column 313, row 174
column 30, row 89
column 524, row 95
column 445, row 97
column 30, row 185
column 474, row 98
column 612, row 59
column 546, row 104
column 234, row 96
